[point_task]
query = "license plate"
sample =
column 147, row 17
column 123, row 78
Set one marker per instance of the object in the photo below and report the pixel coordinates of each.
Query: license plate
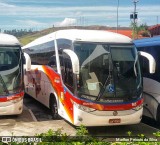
column 115, row 120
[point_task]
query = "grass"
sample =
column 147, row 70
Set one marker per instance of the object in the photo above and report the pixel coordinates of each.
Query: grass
column 34, row 35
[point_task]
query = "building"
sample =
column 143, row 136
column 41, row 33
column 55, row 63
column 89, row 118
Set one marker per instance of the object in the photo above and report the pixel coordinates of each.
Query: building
column 154, row 30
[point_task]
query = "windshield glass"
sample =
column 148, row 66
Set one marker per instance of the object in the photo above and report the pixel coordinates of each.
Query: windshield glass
column 10, row 70
column 108, row 71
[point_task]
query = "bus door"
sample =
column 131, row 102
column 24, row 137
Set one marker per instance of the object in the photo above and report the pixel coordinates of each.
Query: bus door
column 69, row 65
column 30, row 83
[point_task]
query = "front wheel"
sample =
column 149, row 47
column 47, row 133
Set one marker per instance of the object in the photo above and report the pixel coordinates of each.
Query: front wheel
column 158, row 114
column 54, row 108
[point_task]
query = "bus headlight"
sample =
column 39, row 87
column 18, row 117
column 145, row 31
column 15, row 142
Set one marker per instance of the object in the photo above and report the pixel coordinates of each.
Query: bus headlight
column 84, row 108
column 16, row 100
column 138, row 107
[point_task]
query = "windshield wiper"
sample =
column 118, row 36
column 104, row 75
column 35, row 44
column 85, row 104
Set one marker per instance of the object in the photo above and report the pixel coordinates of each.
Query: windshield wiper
column 4, row 85
column 109, row 78
column 103, row 89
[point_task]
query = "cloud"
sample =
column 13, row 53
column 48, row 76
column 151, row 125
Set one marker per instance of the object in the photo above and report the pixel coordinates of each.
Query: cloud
column 61, row 12
column 67, row 22
column 45, row 16
column 31, row 24
column 5, row 5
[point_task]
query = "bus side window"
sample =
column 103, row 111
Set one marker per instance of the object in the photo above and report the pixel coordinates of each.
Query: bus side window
column 64, row 44
column 52, row 63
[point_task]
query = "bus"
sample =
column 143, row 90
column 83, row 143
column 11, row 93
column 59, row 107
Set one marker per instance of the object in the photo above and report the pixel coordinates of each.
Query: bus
column 11, row 76
column 88, row 77
column 151, row 82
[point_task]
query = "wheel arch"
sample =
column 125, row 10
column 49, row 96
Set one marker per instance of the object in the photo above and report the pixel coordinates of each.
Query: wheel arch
column 158, row 114
column 53, row 96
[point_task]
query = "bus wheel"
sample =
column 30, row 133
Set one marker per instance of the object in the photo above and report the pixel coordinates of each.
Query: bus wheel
column 54, row 108
column 158, row 114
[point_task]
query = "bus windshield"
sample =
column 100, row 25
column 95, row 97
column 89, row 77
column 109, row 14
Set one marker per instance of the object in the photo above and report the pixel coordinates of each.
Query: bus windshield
column 108, row 71
column 10, row 70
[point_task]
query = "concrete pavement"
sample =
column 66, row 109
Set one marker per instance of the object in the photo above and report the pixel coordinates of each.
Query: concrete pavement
column 26, row 124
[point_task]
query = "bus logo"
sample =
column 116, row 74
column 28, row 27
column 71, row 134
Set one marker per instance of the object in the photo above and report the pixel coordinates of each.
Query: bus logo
column 111, row 88
column 115, row 113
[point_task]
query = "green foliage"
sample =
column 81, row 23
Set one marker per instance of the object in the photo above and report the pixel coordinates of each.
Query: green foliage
column 129, row 133
column 51, row 136
column 83, row 134
column 141, row 136
column 19, row 33
column 82, row 137
column 157, row 134
column 139, row 30
column 27, row 39
column 82, row 131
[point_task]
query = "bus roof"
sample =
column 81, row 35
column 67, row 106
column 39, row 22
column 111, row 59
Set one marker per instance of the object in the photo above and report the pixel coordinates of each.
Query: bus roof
column 6, row 39
column 146, row 42
column 82, row 35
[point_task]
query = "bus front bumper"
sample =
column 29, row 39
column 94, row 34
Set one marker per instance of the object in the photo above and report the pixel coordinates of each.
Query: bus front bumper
column 84, row 118
column 11, row 108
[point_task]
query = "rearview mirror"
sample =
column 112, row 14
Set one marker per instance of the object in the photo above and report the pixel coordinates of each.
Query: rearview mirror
column 27, row 62
column 74, row 60
column 152, row 62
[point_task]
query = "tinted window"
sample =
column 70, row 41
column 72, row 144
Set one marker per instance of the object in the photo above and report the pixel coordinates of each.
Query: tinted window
column 155, row 52
column 67, row 71
column 9, row 57
column 52, row 62
column 40, row 54
column 64, row 44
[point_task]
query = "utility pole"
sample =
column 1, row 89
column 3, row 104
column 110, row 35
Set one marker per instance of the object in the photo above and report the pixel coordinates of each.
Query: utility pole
column 117, row 15
column 135, row 12
column 134, row 17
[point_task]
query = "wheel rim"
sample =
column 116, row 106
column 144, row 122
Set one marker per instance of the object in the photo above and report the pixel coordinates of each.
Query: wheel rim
column 54, row 109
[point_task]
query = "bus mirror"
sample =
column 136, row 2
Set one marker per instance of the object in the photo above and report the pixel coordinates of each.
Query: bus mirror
column 152, row 62
column 27, row 62
column 74, row 60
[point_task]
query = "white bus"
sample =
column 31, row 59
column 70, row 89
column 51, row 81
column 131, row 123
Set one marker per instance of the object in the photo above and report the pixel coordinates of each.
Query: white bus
column 151, row 82
column 11, row 76
column 87, row 77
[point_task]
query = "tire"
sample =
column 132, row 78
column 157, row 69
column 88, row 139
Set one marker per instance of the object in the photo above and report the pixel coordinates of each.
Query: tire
column 158, row 114
column 54, row 108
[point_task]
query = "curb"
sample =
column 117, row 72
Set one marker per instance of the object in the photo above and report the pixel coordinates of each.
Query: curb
column 31, row 113
column 33, row 117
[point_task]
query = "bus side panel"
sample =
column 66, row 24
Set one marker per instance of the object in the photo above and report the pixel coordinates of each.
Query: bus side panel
column 65, row 106
column 42, row 81
column 29, row 83
column 35, row 83
column 151, row 97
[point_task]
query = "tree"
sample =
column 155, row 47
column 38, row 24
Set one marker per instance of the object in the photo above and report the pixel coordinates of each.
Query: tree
column 18, row 33
column 141, row 30
column 144, row 30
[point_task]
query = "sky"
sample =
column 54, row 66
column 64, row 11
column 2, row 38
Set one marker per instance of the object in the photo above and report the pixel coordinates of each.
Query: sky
column 41, row 14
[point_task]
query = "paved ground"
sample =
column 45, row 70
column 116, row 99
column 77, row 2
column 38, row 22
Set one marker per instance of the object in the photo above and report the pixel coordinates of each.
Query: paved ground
column 26, row 125
column 32, row 128
column 41, row 112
